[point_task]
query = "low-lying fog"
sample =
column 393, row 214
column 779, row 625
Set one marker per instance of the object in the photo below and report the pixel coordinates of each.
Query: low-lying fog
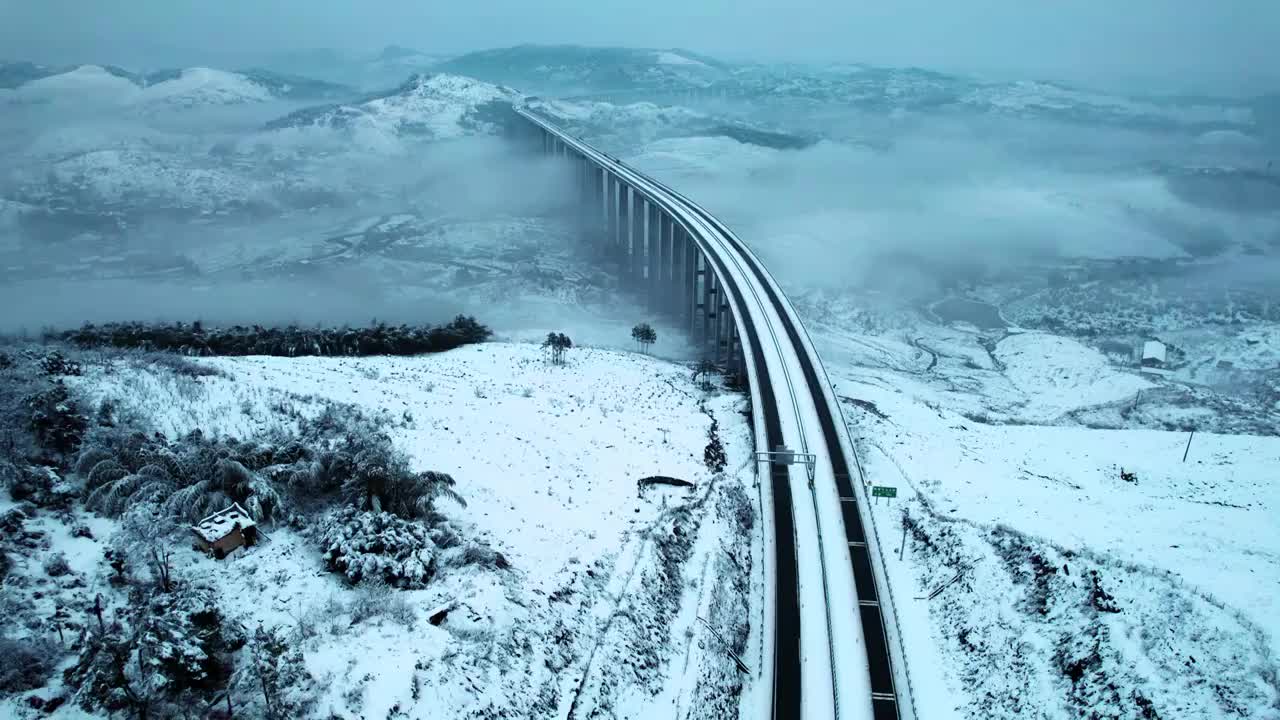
column 112, row 211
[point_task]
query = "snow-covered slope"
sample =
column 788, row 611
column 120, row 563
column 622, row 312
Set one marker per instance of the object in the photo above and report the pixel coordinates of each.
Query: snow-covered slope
column 612, row 597
column 433, row 107
column 203, row 86
column 1051, row 564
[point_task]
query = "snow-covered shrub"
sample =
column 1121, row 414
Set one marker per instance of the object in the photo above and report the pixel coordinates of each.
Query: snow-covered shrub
column 55, row 363
column 367, row 545
column 56, row 420
column 376, row 599
column 484, row 556
column 42, row 486
column 164, row 652
column 179, row 365
column 56, row 565
column 26, row 664
column 280, row 680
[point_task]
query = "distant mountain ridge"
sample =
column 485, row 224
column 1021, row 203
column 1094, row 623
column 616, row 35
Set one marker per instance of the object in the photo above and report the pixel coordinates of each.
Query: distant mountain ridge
column 561, row 68
column 192, row 85
column 632, row 75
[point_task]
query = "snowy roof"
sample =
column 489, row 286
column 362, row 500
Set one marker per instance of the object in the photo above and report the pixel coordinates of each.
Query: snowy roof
column 1153, row 350
column 220, row 524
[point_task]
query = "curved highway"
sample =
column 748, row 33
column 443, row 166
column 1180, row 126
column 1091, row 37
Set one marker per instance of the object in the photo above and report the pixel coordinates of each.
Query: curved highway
column 831, row 638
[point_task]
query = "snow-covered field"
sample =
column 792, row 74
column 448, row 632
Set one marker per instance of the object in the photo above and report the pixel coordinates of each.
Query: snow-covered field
column 618, row 598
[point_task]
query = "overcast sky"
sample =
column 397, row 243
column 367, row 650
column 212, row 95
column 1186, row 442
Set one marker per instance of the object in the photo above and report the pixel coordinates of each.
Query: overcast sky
column 1233, row 40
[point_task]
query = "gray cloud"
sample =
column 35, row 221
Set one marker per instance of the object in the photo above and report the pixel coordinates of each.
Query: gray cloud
column 1191, row 40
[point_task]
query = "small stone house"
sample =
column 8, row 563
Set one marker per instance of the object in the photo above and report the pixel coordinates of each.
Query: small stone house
column 225, row 530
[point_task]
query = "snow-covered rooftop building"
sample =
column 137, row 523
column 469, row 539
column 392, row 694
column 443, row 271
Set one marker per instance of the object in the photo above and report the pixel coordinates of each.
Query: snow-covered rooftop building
column 1153, row 354
column 225, row 530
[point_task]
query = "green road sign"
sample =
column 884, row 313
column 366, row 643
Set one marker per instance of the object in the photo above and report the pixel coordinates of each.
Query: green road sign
column 883, row 491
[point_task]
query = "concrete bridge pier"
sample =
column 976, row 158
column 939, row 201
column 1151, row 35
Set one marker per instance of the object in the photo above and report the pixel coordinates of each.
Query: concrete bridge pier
column 655, row 256
column 612, row 205
column 667, row 272
column 710, row 305
column 635, row 238
column 623, row 239
column 656, row 285
column 688, row 276
column 599, row 199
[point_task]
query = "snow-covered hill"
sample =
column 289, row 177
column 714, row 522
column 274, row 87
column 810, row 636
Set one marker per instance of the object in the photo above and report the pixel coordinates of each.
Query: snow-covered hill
column 1048, row 561
column 433, row 107
column 563, row 581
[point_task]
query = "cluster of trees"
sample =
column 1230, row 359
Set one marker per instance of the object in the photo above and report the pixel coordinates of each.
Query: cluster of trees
column 644, row 335
column 558, row 344
column 290, row 341
column 335, row 456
